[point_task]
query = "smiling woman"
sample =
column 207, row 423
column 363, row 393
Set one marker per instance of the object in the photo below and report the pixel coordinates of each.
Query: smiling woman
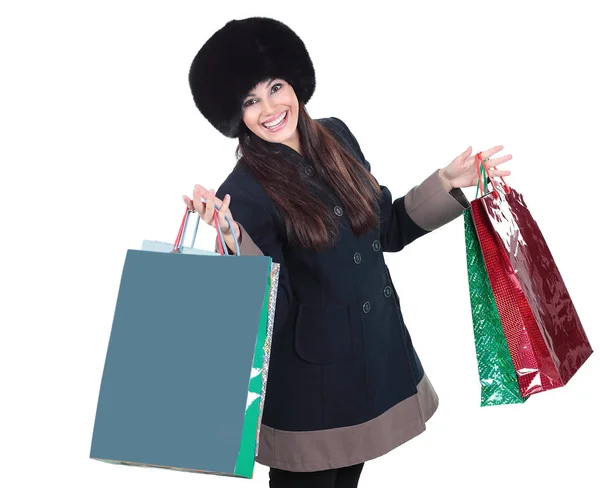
column 271, row 112
column 345, row 383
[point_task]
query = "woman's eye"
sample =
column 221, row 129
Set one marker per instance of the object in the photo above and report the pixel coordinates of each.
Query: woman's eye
column 276, row 87
column 250, row 102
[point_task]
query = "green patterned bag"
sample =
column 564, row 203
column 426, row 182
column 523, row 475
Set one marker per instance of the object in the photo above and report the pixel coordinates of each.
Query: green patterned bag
column 497, row 374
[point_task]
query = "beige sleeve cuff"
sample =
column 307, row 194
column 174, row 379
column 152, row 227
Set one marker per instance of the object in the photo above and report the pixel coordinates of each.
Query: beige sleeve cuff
column 431, row 204
column 247, row 246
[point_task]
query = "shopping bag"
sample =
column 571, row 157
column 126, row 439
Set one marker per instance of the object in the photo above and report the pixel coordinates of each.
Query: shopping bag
column 545, row 336
column 187, row 361
column 497, row 375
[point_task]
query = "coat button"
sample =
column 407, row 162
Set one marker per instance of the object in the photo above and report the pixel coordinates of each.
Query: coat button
column 376, row 246
column 387, row 291
column 366, row 307
column 338, row 211
column 357, row 258
column 309, row 170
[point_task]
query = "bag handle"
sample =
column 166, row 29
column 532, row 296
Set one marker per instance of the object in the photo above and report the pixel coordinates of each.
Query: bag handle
column 485, row 178
column 183, row 229
column 220, row 242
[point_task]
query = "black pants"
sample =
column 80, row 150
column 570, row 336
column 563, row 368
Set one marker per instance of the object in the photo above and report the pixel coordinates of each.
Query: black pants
column 331, row 478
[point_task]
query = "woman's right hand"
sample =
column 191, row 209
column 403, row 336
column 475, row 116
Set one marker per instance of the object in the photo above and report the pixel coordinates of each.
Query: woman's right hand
column 207, row 210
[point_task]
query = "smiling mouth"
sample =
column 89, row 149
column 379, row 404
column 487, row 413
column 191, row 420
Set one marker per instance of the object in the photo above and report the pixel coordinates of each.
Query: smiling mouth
column 277, row 123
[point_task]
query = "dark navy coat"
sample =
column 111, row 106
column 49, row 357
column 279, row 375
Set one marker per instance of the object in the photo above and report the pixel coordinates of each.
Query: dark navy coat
column 341, row 354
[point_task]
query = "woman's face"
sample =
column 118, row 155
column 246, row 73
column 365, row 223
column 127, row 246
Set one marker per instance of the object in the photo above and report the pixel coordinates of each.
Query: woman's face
column 270, row 110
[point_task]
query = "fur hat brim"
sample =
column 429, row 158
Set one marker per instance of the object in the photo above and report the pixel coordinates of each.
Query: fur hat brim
column 238, row 57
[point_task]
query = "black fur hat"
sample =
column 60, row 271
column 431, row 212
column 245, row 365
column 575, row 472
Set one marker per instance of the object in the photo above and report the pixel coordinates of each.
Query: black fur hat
column 240, row 55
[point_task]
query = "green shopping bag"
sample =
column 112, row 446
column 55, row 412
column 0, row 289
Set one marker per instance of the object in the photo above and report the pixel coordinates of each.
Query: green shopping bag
column 497, row 375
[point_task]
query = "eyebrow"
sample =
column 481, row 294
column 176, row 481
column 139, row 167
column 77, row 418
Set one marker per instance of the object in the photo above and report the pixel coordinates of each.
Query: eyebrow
column 252, row 94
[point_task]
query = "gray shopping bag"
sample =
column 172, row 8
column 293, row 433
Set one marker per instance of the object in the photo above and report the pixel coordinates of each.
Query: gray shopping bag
column 185, row 370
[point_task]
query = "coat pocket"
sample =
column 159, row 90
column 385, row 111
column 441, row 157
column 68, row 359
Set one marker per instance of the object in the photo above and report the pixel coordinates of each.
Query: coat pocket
column 323, row 335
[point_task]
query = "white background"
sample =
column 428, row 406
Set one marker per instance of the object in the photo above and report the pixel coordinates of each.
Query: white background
column 100, row 138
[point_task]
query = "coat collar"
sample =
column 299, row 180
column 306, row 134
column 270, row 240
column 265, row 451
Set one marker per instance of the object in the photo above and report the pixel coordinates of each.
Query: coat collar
column 289, row 152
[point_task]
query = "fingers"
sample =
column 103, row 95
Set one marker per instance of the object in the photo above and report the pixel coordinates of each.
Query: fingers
column 209, row 209
column 212, row 204
column 206, row 204
column 189, row 203
column 199, row 194
column 492, row 163
column 465, row 154
column 490, row 152
column 498, row 173
column 225, row 204
column 224, row 212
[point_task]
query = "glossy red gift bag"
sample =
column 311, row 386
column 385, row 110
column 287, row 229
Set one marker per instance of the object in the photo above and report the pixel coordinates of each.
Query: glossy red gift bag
column 545, row 337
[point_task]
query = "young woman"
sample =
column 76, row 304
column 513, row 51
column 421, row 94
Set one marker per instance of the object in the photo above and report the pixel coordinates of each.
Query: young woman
column 345, row 383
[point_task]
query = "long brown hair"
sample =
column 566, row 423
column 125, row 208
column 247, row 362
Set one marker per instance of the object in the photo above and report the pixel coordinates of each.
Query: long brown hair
column 307, row 219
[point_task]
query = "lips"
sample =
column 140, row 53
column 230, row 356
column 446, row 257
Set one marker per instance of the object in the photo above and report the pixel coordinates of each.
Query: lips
column 277, row 122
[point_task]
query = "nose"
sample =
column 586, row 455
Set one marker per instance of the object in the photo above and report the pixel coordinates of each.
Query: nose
column 268, row 108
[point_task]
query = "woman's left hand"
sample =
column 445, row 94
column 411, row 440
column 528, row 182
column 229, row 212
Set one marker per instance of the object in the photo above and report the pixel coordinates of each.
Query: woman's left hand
column 463, row 171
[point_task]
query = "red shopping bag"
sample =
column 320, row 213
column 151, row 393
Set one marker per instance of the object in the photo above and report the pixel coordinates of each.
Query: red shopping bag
column 545, row 336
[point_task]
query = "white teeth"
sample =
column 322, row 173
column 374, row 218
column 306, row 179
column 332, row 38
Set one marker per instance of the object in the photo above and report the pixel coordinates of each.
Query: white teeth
column 276, row 122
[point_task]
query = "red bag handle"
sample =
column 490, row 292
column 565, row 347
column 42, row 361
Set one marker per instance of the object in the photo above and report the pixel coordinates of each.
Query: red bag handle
column 480, row 164
column 177, row 243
